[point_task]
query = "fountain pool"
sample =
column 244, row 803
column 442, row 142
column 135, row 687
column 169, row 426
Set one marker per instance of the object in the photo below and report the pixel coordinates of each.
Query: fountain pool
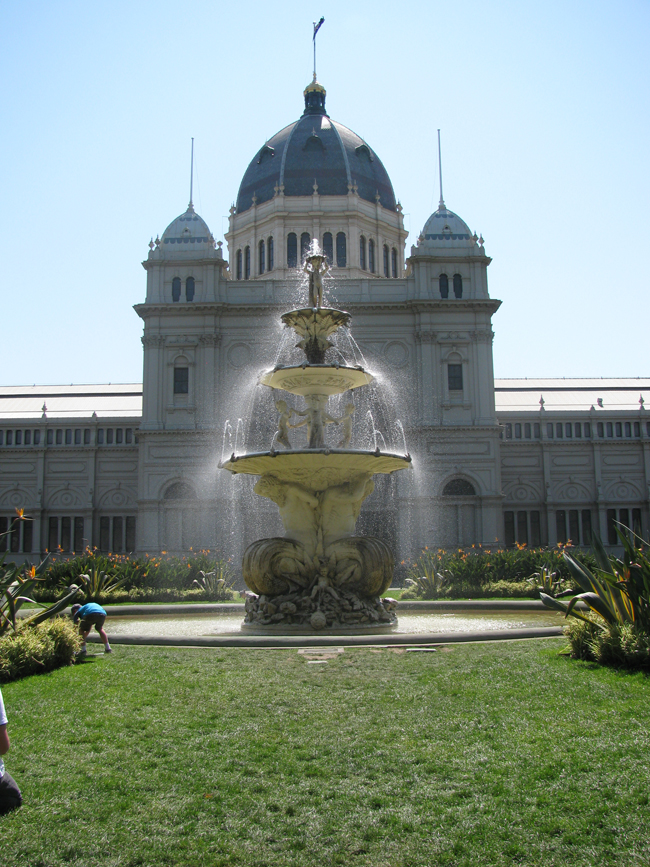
column 411, row 623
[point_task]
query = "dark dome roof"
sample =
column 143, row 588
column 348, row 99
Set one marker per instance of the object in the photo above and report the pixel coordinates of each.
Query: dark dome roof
column 315, row 148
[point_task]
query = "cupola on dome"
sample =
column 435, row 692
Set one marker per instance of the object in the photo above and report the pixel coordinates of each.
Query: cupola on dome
column 315, row 154
column 444, row 228
column 187, row 230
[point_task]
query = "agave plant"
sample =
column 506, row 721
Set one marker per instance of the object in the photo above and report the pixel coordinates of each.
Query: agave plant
column 429, row 586
column 96, row 584
column 214, row 583
column 548, row 583
column 16, row 582
column 619, row 591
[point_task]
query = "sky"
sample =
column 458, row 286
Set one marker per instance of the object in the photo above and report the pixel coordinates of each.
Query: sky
column 545, row 121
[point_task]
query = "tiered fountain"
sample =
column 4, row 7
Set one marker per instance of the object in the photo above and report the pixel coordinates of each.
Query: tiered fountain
column 320, row 576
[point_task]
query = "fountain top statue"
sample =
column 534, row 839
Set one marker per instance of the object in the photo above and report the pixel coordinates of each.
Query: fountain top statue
column 316, row 266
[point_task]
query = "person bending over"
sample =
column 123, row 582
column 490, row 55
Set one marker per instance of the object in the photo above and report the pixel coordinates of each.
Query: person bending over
column 89, row 615
column 10, row 797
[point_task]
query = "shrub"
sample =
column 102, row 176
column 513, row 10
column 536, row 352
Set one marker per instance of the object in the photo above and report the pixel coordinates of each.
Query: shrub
column 122, row 575
column 616, row 630
column 625, row 645
column 35, row 649
column 479, row 572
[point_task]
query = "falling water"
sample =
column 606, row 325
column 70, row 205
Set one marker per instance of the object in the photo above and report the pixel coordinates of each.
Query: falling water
column 371, row 427
column 226, row 445
column 240, row 438
column 400, row 429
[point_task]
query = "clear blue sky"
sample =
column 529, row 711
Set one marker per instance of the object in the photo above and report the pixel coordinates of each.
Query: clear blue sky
column 545, row 117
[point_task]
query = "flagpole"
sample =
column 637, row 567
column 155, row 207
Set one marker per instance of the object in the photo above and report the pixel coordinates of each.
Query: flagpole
column 317, row 27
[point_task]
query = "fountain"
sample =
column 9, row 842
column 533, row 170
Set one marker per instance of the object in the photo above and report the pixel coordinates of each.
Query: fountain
column 320, row 576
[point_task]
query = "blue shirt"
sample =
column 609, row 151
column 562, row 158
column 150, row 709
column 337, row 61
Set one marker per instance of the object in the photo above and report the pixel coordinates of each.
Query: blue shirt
column 89, row 608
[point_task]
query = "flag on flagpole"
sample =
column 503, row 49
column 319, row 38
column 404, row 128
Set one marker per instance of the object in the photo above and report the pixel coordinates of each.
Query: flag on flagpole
column 317, row 27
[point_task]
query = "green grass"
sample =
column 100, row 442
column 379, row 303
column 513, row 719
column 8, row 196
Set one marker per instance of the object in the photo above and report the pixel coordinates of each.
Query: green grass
column 494, row 754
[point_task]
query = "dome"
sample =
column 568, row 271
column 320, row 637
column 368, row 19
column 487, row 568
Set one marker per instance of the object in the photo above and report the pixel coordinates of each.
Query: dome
column 188, row 229
column 444, row 228
column 315, row 150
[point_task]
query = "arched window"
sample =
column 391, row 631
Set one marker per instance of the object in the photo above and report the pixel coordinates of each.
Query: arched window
column 443, row 283
column 261, row 264
column 180, row 491
column 458, row 286
column 292, row 250
column 362, row 253
column 386, row 269
column 305, row 243
column 371, row 256
column 459, row 488
column 393, row 257
column 270, row 251
column 176, row 289
column 247, row 263
column 341, row 250
column 455, row 377
column 238, row 260
column 328, row 247
column 181, row 380
column 189, row 288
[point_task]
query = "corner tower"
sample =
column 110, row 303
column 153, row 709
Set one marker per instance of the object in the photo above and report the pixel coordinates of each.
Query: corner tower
column 458, row 432
column 316, row 179
column 181, row 381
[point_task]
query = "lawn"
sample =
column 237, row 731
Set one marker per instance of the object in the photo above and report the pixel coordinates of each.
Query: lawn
column 490, row 754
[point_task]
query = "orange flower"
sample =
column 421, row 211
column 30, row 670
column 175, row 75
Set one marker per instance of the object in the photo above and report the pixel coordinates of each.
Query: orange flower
column 21, row 514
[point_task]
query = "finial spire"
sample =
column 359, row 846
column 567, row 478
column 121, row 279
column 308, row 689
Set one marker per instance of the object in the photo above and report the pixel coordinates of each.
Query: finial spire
column 317, row 27
column 191, row 205
column 442, row 201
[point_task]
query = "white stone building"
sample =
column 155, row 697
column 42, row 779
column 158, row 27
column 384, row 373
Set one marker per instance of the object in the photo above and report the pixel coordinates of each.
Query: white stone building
column 134, row 467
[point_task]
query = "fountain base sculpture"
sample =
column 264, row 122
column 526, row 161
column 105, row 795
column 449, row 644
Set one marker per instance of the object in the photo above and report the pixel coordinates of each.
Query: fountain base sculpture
column 320, row 576
column 339, row 591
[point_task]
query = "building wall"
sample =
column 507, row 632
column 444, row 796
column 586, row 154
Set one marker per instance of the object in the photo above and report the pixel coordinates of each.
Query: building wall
column 67, row 487
column 562, row 478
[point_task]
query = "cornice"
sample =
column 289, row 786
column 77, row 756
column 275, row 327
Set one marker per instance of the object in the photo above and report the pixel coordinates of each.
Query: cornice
column 448, row 258
column 424, row 430
column 208, row 433
column 149, row 264
column 421, row 305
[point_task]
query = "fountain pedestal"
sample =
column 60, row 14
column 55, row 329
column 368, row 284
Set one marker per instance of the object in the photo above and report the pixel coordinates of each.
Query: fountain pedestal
column 320, row 576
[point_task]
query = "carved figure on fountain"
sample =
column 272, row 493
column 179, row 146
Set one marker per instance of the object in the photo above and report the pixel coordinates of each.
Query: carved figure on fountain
column 299, row 508
column 315, row 416
column 282, row 433
column 340, row 507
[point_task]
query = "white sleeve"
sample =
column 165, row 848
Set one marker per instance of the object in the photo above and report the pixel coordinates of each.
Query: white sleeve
column 3, row 715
